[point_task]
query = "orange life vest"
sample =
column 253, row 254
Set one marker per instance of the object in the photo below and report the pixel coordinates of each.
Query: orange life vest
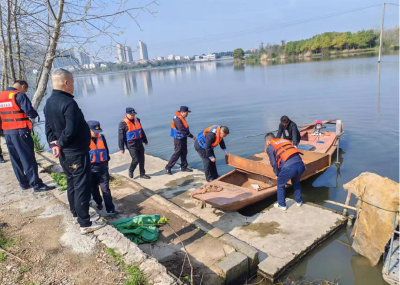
column 11, row 115
column 174, row 131
column 98, row 151
column 201, row 137
column 283, row 150
column 134, row 129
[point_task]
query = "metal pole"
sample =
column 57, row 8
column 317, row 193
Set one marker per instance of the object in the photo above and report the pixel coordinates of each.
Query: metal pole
column 380, row 41
column 337, row 152
column 391, row 245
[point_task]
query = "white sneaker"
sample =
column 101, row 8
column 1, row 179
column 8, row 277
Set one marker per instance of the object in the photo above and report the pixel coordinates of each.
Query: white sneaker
column 299, row 204
column 94, row 227
column 276, row 205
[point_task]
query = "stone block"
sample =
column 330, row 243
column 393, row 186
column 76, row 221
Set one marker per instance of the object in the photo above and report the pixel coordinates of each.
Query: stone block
column 244, row 248
column 234, row 268
column 215, row 232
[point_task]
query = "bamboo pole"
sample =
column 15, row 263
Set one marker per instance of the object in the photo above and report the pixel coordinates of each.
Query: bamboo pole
column 340, row 204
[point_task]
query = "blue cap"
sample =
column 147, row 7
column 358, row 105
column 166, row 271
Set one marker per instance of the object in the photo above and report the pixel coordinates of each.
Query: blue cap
column 184, row 109
column 94, row 126
column 130, row 111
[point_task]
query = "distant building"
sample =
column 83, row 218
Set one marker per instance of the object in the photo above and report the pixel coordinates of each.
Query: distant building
column 83, row 58
column 198, row 57
column 143, row 50
column 186, row 57
column 209, row 57
column 128, row 54
column 253, row 50
column 171, row 57
column 160, row 58
column 121, row 53
column 178, row 57
column 142, row 61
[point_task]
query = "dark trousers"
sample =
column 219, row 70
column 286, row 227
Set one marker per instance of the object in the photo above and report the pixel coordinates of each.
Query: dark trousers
column 79, row 185
column 22, row 156
column 102, row 179
column 137, row 155
column 1, row 151
column 210, row 167
column 292, row 172
column 180, row 152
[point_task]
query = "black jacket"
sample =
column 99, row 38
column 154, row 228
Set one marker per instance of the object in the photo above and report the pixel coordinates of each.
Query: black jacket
column 66, row 124
column 210, row 139
column 290, row 133
column 179, row 126
column 122, row 143
column 97, row 167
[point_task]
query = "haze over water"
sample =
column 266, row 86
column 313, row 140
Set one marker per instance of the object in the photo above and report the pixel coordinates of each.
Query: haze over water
column 251, row 100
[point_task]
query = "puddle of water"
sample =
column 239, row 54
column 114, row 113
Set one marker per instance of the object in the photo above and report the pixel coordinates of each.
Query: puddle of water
column 184, row 181
column 264, row 229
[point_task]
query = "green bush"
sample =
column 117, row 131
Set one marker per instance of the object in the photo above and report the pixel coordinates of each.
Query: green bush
column 61, row 180
column 136, row 276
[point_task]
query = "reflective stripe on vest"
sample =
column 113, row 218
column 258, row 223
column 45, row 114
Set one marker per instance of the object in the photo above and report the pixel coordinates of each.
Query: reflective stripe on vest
column 201, row 137
column 134, row 129
column 98, row 151
column 284, row 149
column 12, row 117
column 174, row 131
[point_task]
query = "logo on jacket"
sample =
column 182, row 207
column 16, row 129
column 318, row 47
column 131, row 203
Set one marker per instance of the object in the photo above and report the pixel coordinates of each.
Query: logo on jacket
column 75, row 166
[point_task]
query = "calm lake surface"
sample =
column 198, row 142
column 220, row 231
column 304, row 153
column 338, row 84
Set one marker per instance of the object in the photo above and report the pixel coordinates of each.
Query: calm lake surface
column 251, row 100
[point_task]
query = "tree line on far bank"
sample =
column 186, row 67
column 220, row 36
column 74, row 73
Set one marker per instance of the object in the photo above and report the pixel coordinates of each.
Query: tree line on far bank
column 327, row 42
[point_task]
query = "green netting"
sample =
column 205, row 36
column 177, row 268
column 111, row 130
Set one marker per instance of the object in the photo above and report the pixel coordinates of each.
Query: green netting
column 137, row 229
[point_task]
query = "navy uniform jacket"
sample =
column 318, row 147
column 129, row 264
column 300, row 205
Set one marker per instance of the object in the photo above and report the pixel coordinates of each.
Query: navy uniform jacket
column 289, row 133
column 25, row 105
column 210, row 139
column 179, row 126
column 122, row 129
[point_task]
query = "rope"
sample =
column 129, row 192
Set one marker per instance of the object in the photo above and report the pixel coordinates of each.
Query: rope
column 379, row 207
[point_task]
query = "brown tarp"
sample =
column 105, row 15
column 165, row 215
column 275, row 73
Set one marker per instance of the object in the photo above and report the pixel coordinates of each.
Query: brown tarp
column 373, row 226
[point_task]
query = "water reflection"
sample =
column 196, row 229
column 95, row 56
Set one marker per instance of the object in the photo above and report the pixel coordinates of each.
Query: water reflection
column 148, row 85
column 129, row 83
column 379, row 90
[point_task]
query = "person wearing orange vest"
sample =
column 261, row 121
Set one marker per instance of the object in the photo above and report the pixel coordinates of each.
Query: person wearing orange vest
column 287, row 164
column 15, row 111
column 180, row 132
column 206, row 141
column 99, row 158
column 131, row 135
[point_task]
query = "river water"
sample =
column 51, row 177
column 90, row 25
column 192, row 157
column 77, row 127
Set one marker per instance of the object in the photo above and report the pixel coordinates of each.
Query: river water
column 251, row 100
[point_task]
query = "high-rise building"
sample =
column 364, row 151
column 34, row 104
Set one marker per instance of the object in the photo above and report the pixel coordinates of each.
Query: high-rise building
column 128, row 54
column 83, row 58
column 143, row 50
column 121, row 53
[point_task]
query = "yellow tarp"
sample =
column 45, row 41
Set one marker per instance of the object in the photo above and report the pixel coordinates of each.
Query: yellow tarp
column 373, row 226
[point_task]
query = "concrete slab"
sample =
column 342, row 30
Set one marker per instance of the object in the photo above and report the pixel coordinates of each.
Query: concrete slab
column 234, row 268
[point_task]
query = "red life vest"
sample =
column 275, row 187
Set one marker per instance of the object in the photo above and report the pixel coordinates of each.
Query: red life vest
column 11, row 115
column 134, row 129
column 283, row 150
column 201, row 137
column 174, row 131
column 98, row 151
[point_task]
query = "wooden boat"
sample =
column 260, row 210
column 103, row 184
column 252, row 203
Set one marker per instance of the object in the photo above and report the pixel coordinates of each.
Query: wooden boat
column 234, row 191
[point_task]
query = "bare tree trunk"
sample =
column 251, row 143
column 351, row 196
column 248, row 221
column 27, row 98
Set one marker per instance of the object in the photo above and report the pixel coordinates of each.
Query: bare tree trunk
column 42, row 85
column 9, row 48
column 4, row 75
column 18, row 47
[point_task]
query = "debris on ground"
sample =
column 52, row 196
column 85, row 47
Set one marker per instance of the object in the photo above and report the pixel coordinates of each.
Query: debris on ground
column 209, row 188
column 378, row 202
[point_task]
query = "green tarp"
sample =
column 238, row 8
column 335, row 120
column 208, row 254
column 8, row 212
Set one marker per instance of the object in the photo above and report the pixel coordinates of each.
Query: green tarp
column 137, row 229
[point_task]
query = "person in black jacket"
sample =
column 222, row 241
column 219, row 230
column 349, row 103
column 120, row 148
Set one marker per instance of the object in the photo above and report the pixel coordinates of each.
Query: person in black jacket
column 205, row 144
column 131, row 135
column 180, row 132
column 69, row 137
column 289, row 130
column 99, row 158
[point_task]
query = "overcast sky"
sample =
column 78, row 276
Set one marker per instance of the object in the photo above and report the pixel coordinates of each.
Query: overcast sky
column 178, row 21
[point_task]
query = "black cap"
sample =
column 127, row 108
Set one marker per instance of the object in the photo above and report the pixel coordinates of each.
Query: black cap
column 184, row 109
column 130, row 111
column 94, row 126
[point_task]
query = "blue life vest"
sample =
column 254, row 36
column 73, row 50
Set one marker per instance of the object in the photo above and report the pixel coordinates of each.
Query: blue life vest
column 98, row 151
column 174, row 131
column 201, row 137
